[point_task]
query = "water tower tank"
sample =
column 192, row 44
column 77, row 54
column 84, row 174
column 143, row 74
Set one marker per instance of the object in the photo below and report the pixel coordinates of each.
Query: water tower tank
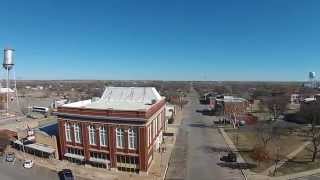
column 312, row 75
column 8, row 59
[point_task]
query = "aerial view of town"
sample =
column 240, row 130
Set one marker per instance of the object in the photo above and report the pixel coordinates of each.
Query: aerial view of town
column 160, row 90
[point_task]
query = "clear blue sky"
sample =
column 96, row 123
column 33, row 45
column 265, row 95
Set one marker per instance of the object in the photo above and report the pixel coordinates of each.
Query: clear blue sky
column 163, row 39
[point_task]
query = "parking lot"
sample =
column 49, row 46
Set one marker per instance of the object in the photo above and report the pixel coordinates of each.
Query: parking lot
column 15, row 171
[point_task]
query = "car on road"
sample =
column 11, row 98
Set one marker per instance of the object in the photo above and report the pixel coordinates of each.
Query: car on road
column 230, row 157
column 10, row 157
column 28, row 164
column 66, row 174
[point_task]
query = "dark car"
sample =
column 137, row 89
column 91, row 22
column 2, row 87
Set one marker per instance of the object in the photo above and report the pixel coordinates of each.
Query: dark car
column 230, row 157
column 66, row 174
column 10, row 157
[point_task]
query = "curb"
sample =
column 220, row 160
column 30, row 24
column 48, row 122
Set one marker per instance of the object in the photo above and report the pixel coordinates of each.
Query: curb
column 165, row 171
column 225, row 137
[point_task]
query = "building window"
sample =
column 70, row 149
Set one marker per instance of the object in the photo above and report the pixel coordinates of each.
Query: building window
column 103, row 136
column 120, row 137
column 156, row 125
column 132, row 138
column 75, row 151
column 154, row 128
column 98, row 155
column 92, row 135
column 159, row 122
column 77, row 133
column 149, row 135
column 68, row 132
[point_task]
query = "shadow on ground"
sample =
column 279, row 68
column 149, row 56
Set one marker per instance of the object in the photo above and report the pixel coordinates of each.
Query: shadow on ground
column 213, row 149
column 237, row 165
column 51, row 130
column 198, row 125
column 206, row 112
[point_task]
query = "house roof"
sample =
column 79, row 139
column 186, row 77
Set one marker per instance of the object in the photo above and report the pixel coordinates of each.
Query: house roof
column 232, row 99
column 5, row 90
column 122, row 98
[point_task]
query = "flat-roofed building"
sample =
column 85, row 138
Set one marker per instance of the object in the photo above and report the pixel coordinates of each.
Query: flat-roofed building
column 120, row 130
column 231, row 104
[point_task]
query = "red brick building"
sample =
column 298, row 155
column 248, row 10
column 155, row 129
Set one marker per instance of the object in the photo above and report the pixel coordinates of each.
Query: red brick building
column 119, row 131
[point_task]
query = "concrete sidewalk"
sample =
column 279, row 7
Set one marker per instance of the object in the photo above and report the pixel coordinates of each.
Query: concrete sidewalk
column 288, row 157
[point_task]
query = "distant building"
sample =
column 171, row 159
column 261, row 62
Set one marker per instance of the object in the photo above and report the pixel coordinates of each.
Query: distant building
column 57, row 103
column 296, row 98
column 231, row 104
column 119, row 131
column 207, row 97
column 170, row 111
column 3, row 97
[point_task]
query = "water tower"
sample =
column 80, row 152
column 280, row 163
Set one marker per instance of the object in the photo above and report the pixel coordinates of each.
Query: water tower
column 313, row 79
column 8, row 63
column 312, row 76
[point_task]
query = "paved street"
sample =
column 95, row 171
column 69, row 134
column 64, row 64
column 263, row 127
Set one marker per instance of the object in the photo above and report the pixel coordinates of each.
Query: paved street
column 199, row 147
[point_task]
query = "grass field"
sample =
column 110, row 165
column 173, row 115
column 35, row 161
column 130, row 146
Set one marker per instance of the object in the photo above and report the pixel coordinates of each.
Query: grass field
column 301, row 162
column 247, row 140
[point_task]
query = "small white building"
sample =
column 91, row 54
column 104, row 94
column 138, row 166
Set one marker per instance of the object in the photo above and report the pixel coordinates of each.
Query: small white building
column 295, row 98
column 170, row 111
column 60, row 102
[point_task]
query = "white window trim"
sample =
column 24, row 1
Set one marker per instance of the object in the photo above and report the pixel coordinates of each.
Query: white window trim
column 120, row 133
column 156, row 125
column 132, row 134
column 68, row 132
column 91, row 130
column 149, row 135
column 103, row 132
column 77, row 133
column 154, row 129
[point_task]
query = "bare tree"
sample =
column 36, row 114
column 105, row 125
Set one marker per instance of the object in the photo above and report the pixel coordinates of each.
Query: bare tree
column 276, row 105
column 276, row 141
column 264, row 135
column 233, row 110
column 311, row 112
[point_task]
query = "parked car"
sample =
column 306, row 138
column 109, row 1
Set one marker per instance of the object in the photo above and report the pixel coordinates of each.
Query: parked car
column 66, row 174
column 10, row 157
column 28, row 164
column 242, row 123
column 230, row 157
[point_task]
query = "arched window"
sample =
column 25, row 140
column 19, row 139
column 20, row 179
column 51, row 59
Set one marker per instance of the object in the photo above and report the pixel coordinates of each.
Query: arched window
column 92, row 136
column 68, row 132
column 132, row 138
column 77, row 133
column 120, row 137
column 103, row 136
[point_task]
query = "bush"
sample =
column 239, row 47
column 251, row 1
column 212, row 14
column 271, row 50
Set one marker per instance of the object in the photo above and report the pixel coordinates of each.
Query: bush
column 260, row 154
